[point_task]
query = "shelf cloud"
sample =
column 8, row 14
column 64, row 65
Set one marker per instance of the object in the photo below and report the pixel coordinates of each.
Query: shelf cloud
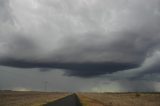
column 83, row 38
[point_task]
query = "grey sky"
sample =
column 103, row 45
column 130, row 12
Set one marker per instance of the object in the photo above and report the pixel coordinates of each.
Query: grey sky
column 85, row 41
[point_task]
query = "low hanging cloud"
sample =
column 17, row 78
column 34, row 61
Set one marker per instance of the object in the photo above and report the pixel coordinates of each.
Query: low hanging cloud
column 85, row 38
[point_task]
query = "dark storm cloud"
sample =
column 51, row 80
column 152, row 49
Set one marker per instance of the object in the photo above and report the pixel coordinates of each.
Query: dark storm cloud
column 85, row 38
column 95, row 69
column 124, row 46
column 73, row 69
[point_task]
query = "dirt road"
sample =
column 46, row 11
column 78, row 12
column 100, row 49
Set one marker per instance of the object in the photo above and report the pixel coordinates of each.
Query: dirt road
column 71, row 100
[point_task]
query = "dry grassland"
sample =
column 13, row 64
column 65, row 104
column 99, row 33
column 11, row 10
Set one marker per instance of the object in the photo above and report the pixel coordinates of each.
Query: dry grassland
column 10, row 98
column 120, row 99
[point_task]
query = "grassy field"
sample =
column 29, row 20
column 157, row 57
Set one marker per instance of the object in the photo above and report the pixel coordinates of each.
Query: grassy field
column 120, row 99
column 13, row 98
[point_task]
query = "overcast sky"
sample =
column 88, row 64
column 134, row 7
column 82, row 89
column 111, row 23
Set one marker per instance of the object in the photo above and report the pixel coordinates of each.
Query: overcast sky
column 80, row 45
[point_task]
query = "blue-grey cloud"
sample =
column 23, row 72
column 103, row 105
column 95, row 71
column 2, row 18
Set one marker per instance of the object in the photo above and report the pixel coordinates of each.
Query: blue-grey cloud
column 73, row 69
column 85, row 38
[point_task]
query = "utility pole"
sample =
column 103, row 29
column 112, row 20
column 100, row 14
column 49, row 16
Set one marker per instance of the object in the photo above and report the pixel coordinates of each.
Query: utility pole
column 45, row 85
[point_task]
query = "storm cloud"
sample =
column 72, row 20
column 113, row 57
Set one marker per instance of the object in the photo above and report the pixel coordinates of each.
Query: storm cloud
column 84, row 38
column 74, row 69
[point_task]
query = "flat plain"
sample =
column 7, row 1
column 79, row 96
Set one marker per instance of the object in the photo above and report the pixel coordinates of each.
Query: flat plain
column 120, row 99
column 30, row 98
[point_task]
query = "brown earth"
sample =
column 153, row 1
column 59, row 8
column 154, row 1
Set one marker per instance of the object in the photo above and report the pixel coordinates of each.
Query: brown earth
column 13, row 98
column 120, row 99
